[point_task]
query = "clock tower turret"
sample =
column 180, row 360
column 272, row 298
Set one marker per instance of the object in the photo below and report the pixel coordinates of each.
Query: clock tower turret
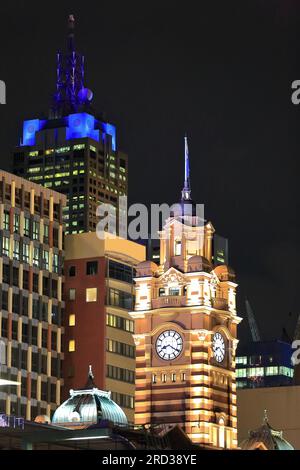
column 186, row 333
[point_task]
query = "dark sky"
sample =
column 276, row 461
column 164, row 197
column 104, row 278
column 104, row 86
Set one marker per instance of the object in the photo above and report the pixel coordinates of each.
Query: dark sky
column 222, row 72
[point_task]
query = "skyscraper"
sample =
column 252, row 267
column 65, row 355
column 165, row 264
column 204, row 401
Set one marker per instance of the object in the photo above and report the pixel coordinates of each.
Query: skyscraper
column 31, row 259
column 74, row 150
column 186, row 332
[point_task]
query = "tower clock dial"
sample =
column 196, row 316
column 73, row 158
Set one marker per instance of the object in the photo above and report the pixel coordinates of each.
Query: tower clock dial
column 169, row 345
column 218, row 346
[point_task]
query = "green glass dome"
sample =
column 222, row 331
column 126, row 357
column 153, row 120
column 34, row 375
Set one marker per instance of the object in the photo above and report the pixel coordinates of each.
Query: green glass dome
column 89, row 407
column 267, row 436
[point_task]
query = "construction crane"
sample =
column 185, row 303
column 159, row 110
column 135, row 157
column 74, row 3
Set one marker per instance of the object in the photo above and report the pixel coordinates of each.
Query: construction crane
column 297, row 329
column 252, row 322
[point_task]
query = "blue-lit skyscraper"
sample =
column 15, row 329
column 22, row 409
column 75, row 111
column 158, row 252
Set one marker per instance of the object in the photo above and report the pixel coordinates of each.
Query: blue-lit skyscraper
column 75, row 150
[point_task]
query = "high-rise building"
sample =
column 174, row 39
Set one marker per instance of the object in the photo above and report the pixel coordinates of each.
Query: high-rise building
column 31, row 259
column 74, row 150
column 264, row 364
column 186, row 333
column 99, row 293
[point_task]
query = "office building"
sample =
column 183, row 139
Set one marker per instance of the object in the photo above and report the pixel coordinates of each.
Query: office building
column 99, row 293
column 74, row 150
column 264, row 364
column 31, row 244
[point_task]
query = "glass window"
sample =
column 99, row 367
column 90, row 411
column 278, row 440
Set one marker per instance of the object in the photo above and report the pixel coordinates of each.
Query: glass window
column 25, row 252
column 71, row 345
column 174, row 291
column 5, row 246
column 177, row 247
column 55, row 263
column 46, row 234
column 273, row 370
column 120, row 271
column 6, row 219
column 72, row 319
column 72, row 294
column 91, row 268
column 91, row 294
column 72, row 271
column 36, row 256
column 120, row 299
column 45, row 259
column 35, row 230
column 26, row 226
column 161, row 292
column 16, row 253
column 241, row 372
column 16, row 223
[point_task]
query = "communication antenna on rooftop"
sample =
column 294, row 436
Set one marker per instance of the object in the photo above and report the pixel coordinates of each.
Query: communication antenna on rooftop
column 252, row 322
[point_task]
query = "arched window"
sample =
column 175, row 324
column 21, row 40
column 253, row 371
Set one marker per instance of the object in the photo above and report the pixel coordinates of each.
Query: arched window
column 221, row 432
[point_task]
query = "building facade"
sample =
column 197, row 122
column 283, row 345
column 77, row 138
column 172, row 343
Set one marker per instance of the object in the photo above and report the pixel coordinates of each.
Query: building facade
column 264, row 364
column 186, row 333
column 73, row 151
column 31, row 278
column 98, row 330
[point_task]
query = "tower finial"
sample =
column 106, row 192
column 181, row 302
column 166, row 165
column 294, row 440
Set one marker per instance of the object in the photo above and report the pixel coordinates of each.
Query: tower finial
column 265, row 420
column 186, row 191
column 71, row 27
column 91, row 375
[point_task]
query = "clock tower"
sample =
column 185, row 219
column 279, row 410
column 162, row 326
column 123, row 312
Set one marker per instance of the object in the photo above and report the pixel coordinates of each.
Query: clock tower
column 186, row 332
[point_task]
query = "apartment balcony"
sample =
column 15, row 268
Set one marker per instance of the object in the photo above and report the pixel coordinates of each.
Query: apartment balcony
column 169, row 301
column 219, row 303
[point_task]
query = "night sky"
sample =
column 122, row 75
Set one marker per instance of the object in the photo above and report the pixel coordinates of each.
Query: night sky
column 222, row 73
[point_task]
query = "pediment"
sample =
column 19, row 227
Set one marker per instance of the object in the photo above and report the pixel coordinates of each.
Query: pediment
column 172, row 277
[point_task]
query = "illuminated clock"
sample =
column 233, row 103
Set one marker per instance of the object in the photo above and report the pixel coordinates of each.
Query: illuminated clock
column 218, row 346
column 169, row 345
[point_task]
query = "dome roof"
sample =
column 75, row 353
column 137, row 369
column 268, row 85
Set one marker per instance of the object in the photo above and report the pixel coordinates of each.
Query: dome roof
column 146, row 268
column 199, row 263
column 224, row 273
column 89, row 407
column 267, row 438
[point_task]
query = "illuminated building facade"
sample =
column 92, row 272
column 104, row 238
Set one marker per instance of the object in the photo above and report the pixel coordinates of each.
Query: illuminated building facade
column 31, row 278
column 99, row 293
column 264, row 364
column 186, row 333
column 74, row 151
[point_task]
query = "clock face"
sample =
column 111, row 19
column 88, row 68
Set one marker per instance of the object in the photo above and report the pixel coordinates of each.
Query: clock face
column 218, row 345
column 169, row 345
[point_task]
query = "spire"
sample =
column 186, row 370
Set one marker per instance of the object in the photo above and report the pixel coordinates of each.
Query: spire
column 265, row 420
column 90, row 381
column 71, row 96
column 186, row 191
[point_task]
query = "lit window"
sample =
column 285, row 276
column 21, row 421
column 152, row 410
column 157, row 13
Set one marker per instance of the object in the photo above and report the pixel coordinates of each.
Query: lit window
column 272, row 370
column 5, row 246
column 241, row 372
column 45, row 259
column 177, row 247
column 72, row 294
column 16, row 253
column 72, row 319
column 26, row 226
column 173, row 377
column 16, row 223
column 154, row 378
column 91, row 294
column 6, row 220
column 164, row 378
column 183, row 377
column 221, row 433
column 36, row 256
column 72, row 345
column 241, row 360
